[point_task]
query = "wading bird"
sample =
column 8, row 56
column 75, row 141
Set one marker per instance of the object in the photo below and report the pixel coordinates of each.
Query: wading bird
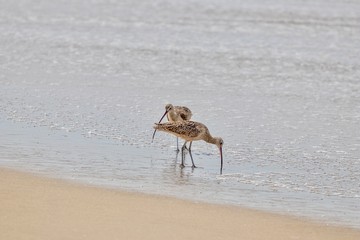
column 191, row 131
column 175, row 114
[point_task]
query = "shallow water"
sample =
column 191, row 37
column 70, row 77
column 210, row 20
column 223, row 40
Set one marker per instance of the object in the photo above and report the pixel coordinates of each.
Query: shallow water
column 83, row 82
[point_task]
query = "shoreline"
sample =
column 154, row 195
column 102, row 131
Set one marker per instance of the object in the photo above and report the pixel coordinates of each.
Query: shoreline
column 36, row 207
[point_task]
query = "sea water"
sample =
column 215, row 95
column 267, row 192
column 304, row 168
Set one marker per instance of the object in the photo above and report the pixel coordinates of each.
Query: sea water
column 82, row 83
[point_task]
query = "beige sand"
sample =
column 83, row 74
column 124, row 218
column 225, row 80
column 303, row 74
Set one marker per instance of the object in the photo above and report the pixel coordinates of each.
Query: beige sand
column 40, row 208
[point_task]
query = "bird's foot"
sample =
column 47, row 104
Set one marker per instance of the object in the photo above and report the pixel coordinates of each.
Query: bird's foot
column 193, row 166
column 182, row 165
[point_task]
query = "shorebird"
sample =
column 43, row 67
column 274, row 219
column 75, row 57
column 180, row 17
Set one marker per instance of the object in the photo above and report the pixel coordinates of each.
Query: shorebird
column 175, row 114
column 191, row 131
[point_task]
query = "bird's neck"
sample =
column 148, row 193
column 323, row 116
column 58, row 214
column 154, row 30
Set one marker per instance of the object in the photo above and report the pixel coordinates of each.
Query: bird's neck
column 172, row 116
column 210, row 139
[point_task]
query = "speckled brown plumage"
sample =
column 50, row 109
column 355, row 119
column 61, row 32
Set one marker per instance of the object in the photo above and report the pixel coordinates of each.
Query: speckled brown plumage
column 190, row 131
column 175, row 114
column 187, row 130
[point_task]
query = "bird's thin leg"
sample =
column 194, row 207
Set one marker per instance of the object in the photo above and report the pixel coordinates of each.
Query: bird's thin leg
column 182, row 165
column 177, row 144
column 177, row 156
column 186, row 147
column 183, row 154
column 192, row 160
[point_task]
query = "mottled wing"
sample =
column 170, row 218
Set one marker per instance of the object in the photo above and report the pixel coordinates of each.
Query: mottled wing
column 186, row 129
column 183, row 112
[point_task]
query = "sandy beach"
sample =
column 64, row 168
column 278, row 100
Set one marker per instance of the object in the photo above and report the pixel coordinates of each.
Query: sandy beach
column 33, row 207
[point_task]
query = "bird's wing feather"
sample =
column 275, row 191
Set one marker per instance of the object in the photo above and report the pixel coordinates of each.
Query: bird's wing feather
column 183, row 112
column 182, row 129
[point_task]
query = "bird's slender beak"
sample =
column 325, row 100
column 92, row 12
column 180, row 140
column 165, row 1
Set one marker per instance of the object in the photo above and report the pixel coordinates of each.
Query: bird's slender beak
column 159, row 122
column 221, row 156
column 153, row 136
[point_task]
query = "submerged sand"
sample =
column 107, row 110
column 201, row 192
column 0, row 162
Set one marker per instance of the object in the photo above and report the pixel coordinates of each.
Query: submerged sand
column 33, row 207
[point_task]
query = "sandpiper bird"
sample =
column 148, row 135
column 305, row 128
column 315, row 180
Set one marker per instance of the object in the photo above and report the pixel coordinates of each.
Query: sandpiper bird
column 175, row 114
column 191, row 131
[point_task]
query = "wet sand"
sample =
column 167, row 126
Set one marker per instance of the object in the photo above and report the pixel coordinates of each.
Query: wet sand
column 33, row 207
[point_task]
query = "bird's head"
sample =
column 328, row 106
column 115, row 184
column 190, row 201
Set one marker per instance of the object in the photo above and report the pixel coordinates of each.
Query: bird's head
column 168, row 107
column 219, row 142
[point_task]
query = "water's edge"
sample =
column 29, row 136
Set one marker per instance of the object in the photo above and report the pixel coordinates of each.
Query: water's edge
column 33, row 150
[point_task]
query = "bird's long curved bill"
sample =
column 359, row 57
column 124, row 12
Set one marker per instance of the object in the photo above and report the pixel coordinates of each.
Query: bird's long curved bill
column 221, row 156
column 159, row 122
